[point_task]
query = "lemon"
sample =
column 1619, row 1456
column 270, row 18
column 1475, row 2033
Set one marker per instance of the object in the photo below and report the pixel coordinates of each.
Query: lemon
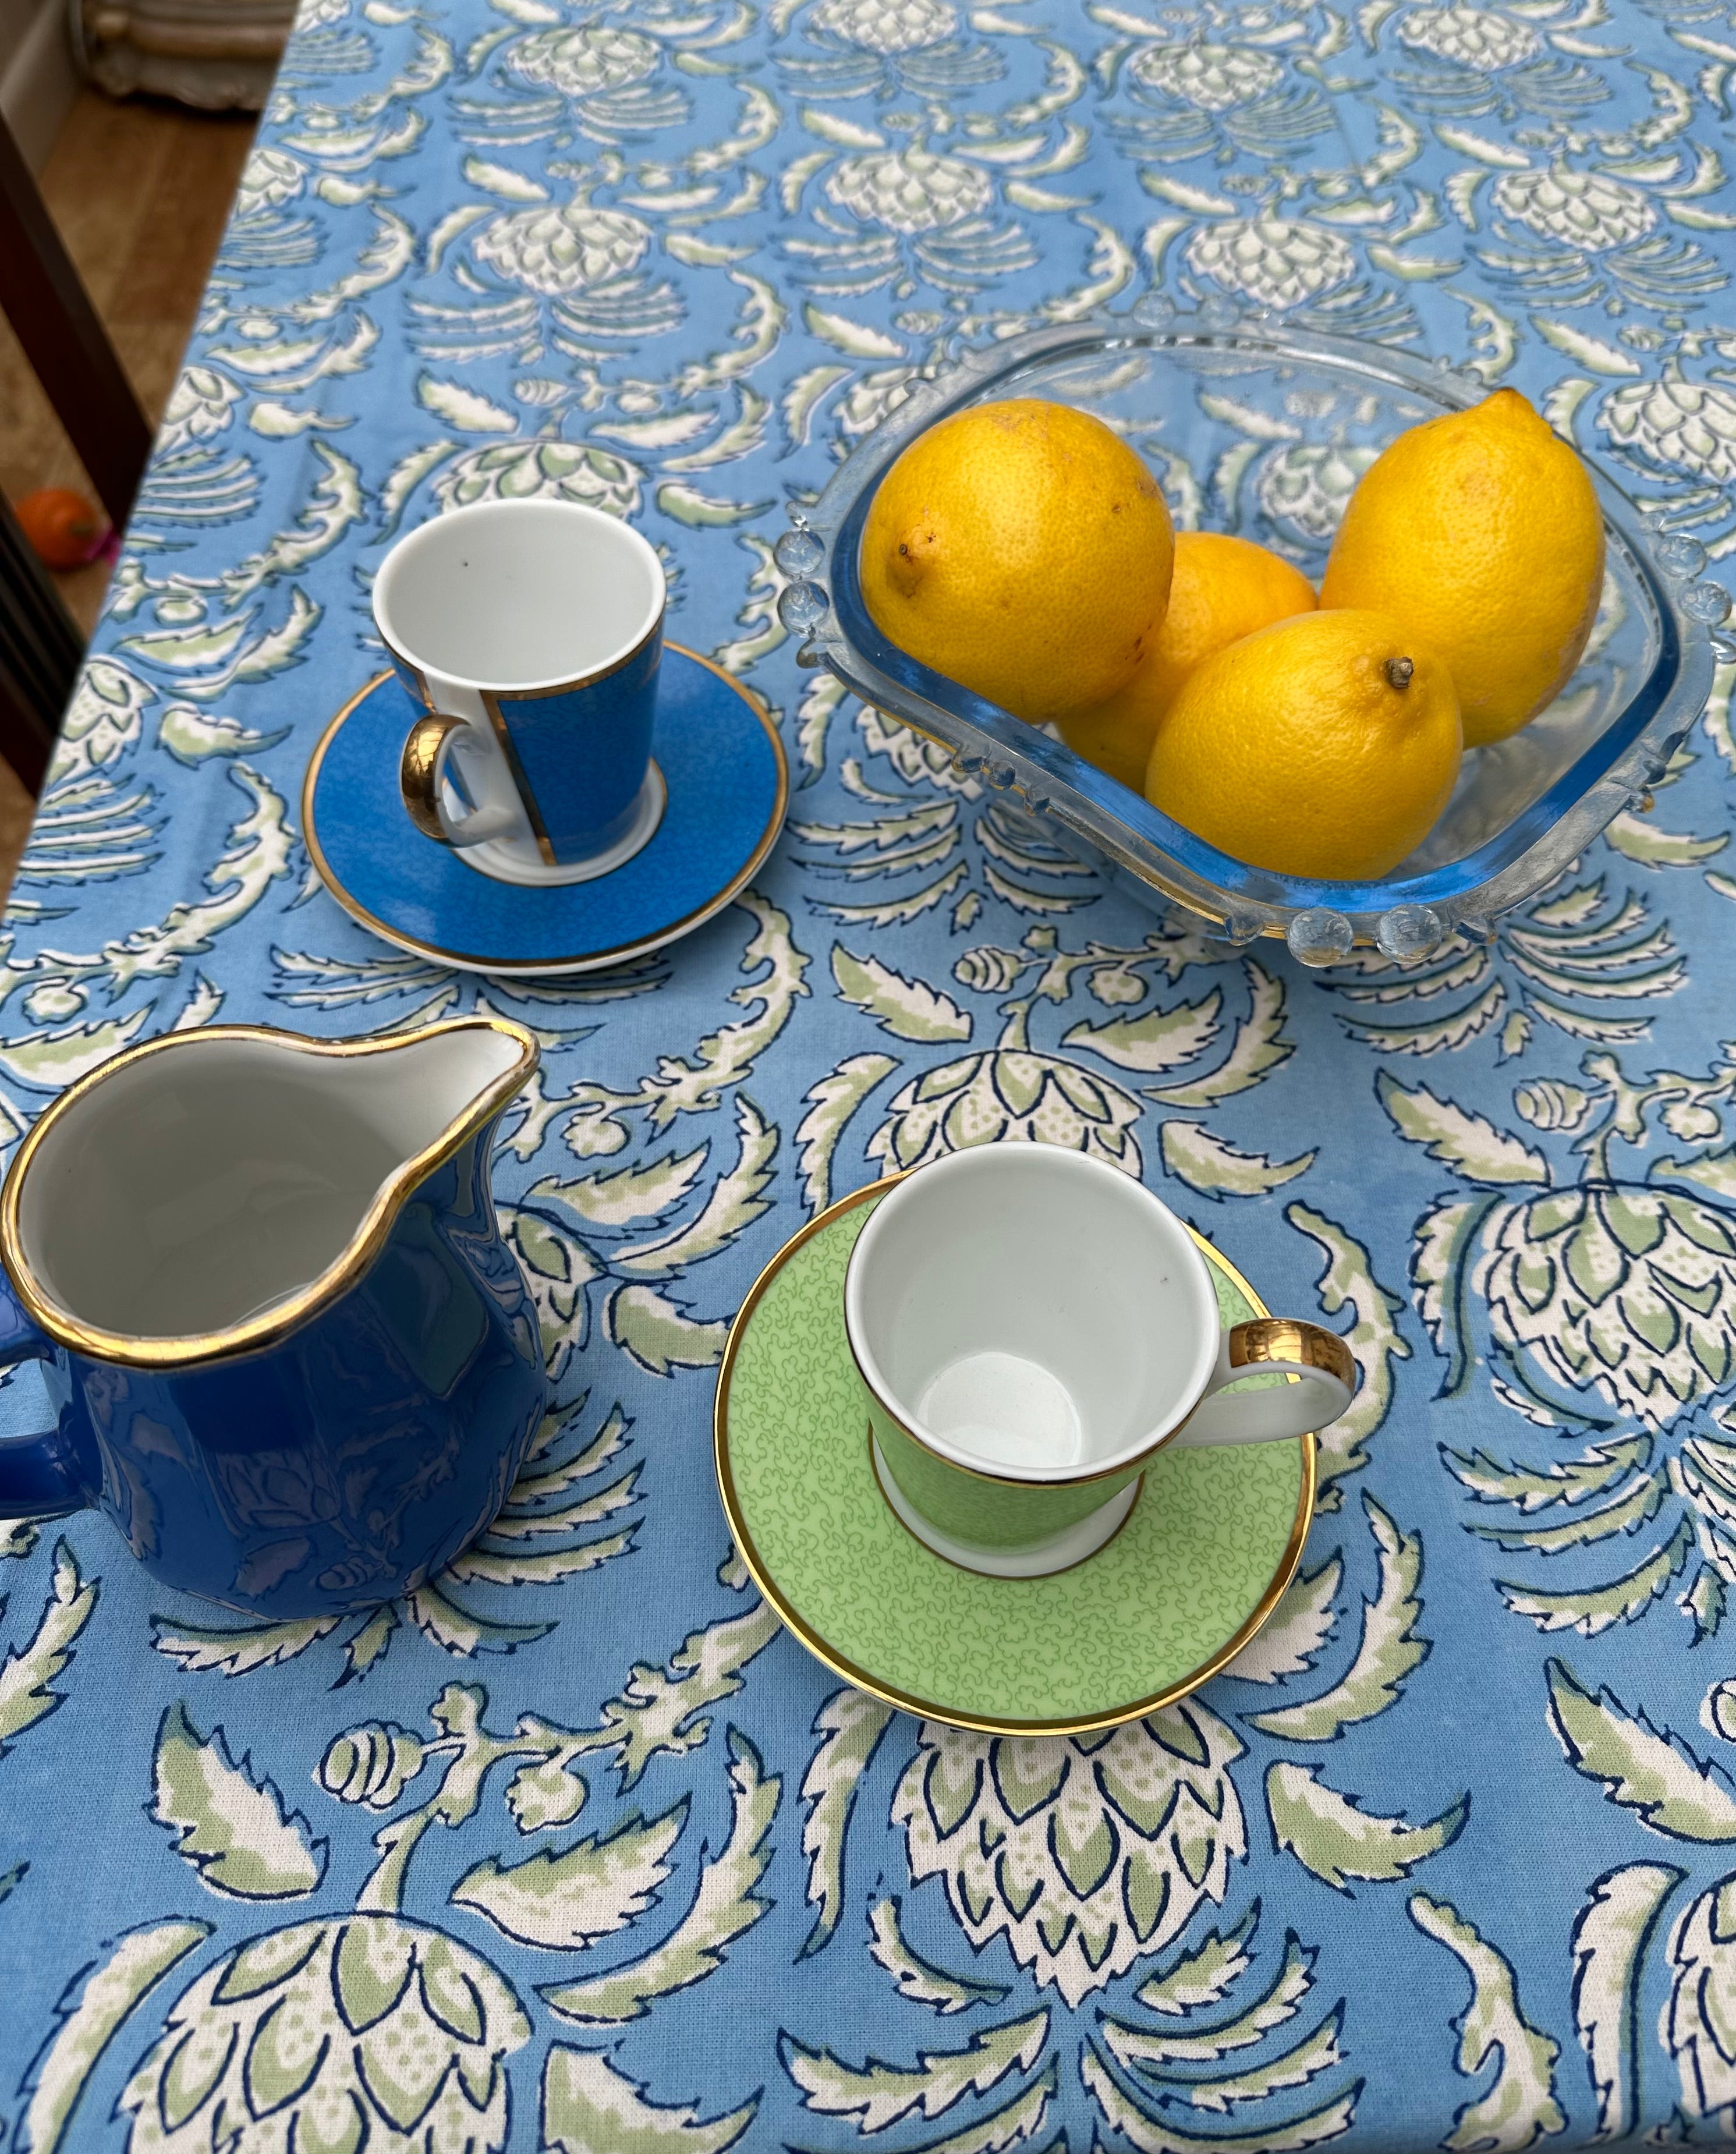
column 1022, row 549
column 1325, row 746
column 1224, row 588
column 1481, row 533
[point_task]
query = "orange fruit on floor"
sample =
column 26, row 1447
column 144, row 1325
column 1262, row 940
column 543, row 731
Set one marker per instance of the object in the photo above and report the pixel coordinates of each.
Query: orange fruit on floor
column 1481, row 532
column 1223, row 589
column 1022, row 549
column 65, row 530
column 1325, row 746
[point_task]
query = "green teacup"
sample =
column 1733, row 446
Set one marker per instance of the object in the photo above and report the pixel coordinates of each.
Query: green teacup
column 1031, row 1326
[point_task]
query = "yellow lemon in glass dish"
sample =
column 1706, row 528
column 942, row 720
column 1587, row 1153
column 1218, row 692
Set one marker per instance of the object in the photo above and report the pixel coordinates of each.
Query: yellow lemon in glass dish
column 1481, row 532
column 1223, row 589
column 1325, row 746
column 1022, row 549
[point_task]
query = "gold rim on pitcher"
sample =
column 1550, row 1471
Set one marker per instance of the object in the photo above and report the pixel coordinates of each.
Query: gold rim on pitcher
column 193, row 1349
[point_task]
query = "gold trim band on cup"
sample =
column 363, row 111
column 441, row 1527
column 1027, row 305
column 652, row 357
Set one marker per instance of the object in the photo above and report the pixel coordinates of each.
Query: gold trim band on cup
column 1287, row 1339
column 521, row 784
column 193, row 1349
column 490, row 701
column 927, row 1708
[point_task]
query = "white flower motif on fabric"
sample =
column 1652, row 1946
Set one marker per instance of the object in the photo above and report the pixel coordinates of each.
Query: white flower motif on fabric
column 270, row 178
column 1480, row 37
column 887, row 26
column 1280, row 262
column 563, row 250
column 1586, row 210
column 200, row 404
column 911, row 191
column 1307, row 485
column 1690, row 426
column 523, row 471
column 1085, row 1853
column 580, row 63
column 372, row 2027
column 1213, row 78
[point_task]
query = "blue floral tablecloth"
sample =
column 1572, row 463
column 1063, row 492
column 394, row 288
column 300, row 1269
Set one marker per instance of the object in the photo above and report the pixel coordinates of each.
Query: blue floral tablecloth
column 577, row 1849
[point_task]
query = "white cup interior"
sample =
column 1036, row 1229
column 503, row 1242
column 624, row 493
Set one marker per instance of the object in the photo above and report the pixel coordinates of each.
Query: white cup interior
column 196, row 1186
column 1030, row 1310
column 518, row 594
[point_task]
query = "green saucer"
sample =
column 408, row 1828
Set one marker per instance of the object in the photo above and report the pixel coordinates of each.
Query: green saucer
column 1208, row 1549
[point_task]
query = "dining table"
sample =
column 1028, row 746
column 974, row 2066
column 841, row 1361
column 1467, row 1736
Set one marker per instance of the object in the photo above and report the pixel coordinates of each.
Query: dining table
column 578, row 1847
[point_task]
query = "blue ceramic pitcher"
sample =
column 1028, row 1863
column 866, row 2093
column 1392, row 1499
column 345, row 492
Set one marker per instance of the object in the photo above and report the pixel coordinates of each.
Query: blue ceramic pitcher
column 291, row 1358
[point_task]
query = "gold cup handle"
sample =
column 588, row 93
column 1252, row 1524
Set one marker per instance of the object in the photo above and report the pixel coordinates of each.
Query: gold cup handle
column 1323, row 1365
column 420, row 769
column 419, row 774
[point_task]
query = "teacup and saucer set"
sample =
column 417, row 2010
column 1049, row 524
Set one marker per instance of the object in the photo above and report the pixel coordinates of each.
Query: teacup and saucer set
column 540, row 784
column 1008, row 1445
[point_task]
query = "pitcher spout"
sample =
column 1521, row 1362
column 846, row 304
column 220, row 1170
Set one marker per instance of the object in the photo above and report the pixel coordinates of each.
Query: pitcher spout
column 205, row 1195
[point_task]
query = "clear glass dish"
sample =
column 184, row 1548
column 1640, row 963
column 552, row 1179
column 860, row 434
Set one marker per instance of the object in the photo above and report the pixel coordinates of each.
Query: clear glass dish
column 1258, row 429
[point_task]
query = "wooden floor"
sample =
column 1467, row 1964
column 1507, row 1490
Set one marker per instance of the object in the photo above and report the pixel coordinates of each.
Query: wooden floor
column 141, row 191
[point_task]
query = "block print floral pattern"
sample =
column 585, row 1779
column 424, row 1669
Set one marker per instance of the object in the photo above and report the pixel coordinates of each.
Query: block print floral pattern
column 576, row 1849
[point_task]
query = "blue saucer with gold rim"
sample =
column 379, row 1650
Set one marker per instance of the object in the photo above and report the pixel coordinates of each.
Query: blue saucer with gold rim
column 727, row 786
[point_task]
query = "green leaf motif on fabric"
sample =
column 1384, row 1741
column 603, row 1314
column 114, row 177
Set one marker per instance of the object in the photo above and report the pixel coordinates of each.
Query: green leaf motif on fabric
column 723, row 1907
column 1639, row 838
column 1232, row 2065
column 1204, row 1976
column 907, row 1008
column 917, row 1978
column 1655, row 1774
column 850, row 1725
column 1611, row 1934
column 1468, row 1142
column 1159, row 2135
column 831, row 1100
column 565, row 1901
column 590, row 2108
column 1594, row 1609
column 232, row 1827
column 1153, row 2052
column 1217, row 1169
column 660, row 1335
column 1702, row 1995
column 878, row 2094
column 28, row 1669
column 1390, row 1647
column 1259, row 1048
column 1162, row 1039
column 1519, row 2107
column 1292, row 1637
column 1374, row 1338
column 137, row 1961
column 1333, row 1836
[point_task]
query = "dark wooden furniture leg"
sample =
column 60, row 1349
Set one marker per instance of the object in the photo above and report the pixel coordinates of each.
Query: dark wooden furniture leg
column 40, row 653
column 50, row 314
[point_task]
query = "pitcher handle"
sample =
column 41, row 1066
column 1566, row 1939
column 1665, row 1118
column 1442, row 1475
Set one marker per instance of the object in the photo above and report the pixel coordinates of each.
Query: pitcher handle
column 1323, row 1366
column 37, row 1480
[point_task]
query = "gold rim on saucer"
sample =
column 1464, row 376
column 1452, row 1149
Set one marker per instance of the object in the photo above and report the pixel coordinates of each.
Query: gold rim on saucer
column 551, row 967
column 928, row 1708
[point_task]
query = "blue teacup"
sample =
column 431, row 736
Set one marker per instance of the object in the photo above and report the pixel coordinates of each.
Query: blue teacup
column 528, row 635
column 290, row 1355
